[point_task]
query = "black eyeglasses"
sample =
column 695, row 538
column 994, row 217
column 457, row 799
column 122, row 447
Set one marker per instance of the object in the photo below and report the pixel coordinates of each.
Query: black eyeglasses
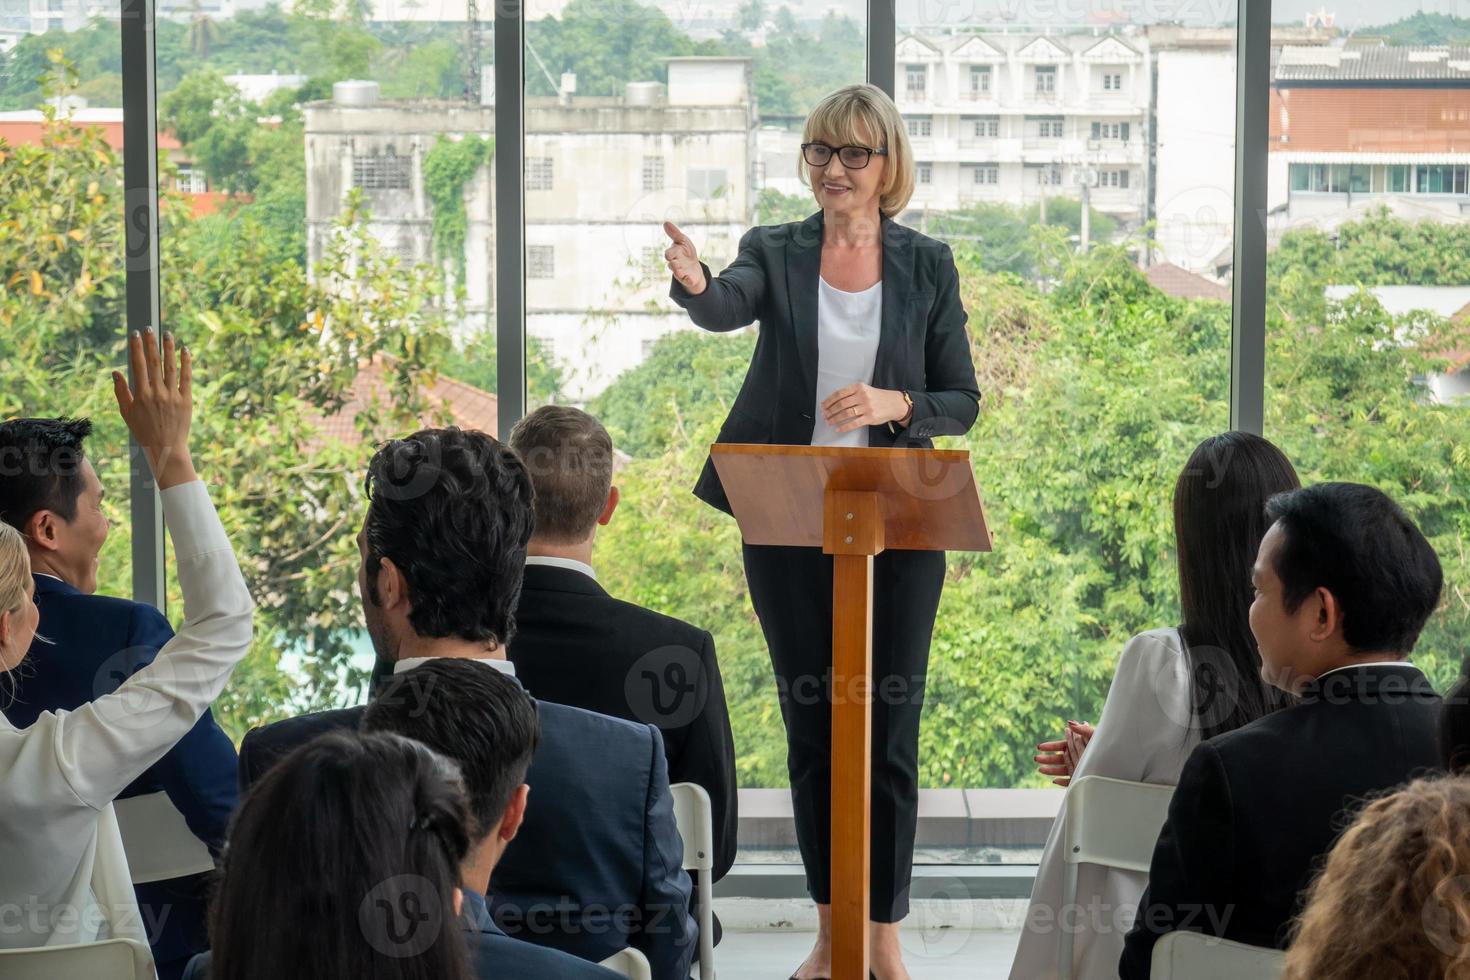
column 852, row 157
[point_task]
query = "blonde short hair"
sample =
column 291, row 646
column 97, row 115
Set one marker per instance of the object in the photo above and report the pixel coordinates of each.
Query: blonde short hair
column 858, row 114
column 15, row 568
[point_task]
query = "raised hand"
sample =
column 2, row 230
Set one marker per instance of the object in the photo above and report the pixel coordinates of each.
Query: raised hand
column 159, row 406
column 683, row 260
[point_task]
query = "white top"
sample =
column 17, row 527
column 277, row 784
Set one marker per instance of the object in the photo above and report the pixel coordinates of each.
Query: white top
column 61, row 855
column 1145, row 734
column 847, row 347
column 571, row 563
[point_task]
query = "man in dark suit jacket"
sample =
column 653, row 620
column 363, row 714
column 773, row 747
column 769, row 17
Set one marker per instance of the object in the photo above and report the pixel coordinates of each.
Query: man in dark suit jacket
column 50, row 491
column 486, row 723
column 575, row 644
column 597, row 864
column 1344, row 583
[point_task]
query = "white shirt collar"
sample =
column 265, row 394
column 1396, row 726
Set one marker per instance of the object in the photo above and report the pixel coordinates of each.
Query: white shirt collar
column 1370, row 663
column 504, row 666
column 572, row 563
column 49, row 575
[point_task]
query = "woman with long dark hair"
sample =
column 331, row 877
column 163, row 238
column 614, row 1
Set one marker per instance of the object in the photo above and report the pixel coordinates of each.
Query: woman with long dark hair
column 1172, row 687
column 343, row 864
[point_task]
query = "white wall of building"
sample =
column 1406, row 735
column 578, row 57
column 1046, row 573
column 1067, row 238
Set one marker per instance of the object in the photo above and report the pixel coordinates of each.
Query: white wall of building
column 1194, row 187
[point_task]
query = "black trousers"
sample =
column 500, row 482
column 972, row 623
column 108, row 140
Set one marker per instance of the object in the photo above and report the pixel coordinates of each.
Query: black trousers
column 791, row 590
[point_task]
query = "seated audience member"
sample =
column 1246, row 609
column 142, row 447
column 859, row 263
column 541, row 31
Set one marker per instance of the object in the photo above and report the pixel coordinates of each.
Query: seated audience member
column 1454, row 725
column 597, row 864
column 343, row 864
column 50, row 492
column 1391, row 903
column 483, row 721
column 577, row 645
column 1166, row 694
column 62, row 862
column 1344, row 583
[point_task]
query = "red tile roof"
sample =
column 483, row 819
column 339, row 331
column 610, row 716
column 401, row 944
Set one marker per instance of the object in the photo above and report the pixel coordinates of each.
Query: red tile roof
column 1169, row 278
column 467, row 406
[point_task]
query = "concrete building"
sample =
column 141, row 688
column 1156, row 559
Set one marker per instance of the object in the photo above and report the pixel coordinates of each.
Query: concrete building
column 601, row 175
column 1017, row 117
column 1351, row 124
column 1193, row 199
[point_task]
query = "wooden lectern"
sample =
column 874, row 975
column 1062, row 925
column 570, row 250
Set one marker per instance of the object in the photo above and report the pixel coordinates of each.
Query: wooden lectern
column 852, row 503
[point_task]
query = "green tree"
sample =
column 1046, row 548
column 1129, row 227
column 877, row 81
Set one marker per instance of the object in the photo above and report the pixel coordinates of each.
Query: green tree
column 475, row 363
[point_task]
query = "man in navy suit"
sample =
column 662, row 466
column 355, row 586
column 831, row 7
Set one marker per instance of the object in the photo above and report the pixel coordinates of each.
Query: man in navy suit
column 485, row 722
column 50, row 492
column 597, row 863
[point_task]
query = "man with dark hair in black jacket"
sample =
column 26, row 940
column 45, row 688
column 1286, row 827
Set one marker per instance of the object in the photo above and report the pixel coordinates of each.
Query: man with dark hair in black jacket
column 1344, row 583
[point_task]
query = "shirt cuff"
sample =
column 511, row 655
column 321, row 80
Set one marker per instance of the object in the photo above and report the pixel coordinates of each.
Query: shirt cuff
column 192, row 521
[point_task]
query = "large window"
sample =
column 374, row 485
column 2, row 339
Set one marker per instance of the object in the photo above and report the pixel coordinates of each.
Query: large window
column 335, row 276
column 63, row 248
column 1097, row 384
column 1367, row 357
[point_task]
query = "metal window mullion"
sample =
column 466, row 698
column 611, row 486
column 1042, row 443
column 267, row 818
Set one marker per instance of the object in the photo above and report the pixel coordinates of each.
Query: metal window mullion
column 510, row 210
column 882, row 41
column 140, row 183
column 1248, row 265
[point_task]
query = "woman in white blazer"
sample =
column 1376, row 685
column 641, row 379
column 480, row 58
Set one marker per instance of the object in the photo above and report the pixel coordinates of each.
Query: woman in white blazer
column 62, row 866
column 1172, row 687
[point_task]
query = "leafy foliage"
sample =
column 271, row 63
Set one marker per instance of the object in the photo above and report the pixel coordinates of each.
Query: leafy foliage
column 448, row 166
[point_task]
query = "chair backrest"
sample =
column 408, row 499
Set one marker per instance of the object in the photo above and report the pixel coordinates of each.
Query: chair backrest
column 1195, row 956
column 694, row 816
column 629, row 962
column 157, row 840
column 110, row 959
column 1114, row 822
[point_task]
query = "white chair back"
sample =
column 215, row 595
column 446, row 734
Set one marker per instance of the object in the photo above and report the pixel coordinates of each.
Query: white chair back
column 694, row 815
column 1111, row 822
column 110, row 959
column 1195, row 956
column 629, row 962
column 157, row 840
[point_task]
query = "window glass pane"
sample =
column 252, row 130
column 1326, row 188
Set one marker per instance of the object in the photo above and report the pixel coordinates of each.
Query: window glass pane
column 720, row 100
column 62, row 248
column 1368, row 359
column 1103, row 356
column 327, row 250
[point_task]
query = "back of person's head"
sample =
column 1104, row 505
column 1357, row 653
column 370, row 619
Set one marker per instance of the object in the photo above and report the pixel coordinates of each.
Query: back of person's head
column 1356, row 543
column 41, row 468
column 452, row 509
column 343, row 862
column 1219, row 520
column 15, row 576
column 1391, row 903
column 570, row 458
column 472, row 714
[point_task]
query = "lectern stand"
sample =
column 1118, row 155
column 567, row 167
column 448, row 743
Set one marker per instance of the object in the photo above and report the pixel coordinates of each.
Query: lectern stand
column 852, row 503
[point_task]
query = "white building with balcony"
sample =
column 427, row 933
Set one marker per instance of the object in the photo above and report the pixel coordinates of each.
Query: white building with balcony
column 1017, row 117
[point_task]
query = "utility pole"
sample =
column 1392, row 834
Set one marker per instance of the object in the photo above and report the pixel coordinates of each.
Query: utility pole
column 472, row 52
column 1085, row 231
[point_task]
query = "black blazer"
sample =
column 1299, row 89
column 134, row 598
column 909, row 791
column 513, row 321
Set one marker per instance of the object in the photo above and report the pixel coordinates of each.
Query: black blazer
column 577, row 645
column 923, row 347
column 1257, row 809
column 597, row 864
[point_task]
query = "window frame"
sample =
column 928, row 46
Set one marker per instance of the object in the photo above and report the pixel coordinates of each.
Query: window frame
column 141, row 183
